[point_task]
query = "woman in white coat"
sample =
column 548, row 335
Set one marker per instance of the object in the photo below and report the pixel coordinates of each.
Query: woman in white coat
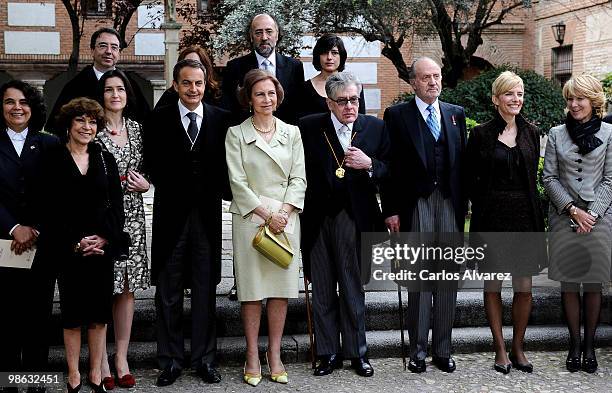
column 265, row 159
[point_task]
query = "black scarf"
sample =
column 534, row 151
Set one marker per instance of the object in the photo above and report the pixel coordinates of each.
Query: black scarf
column 583, row 134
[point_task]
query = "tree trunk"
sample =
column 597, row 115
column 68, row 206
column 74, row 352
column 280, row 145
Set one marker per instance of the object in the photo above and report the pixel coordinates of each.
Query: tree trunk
column 393, row 53
column 73, row 61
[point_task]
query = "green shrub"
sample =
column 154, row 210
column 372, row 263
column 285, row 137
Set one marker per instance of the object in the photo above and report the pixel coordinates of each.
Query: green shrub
column 543, row 103
column 607, row 86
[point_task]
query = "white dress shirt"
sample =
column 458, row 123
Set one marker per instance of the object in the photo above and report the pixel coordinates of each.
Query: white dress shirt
column 422, row 105
column 18, row 139
column 199, row 111
column 100, row 73
column 271, row 59
column 343, row 136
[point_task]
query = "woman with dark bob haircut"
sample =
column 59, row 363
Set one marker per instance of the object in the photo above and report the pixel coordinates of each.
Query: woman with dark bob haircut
column 122, row 137
column 212, row 92
column 328, row 57
column 272, row 168
column 82, row 233
column 26, row 295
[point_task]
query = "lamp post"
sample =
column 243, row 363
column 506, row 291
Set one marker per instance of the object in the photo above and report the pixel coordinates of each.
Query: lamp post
column 171, row 30
column 559, row 32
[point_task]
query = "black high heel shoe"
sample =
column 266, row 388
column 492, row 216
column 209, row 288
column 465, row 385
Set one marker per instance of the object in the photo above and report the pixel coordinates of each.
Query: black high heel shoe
column 525, row 367
column 75, row 389
column 589, row 365
column 97, row 388
column 572, row 363
column 502, row 368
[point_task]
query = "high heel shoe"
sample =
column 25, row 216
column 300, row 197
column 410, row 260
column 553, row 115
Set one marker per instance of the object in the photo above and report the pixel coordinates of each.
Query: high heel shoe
column 250, row 378
column 572, row 363
column 97, row 388
column 502, row 368
column 281, row 377
column 75, row 389
column 589, row 365
column 524, row 367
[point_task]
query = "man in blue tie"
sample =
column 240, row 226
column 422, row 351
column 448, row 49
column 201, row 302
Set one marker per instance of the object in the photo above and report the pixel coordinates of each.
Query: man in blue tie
column 425, row 195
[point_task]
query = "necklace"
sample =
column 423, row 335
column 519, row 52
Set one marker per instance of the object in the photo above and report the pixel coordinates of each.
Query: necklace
column 262, row 130
column 116, row 132
column 340, row 171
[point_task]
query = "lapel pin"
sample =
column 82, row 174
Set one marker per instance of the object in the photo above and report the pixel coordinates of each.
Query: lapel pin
column 453, row 119
column 32, row 147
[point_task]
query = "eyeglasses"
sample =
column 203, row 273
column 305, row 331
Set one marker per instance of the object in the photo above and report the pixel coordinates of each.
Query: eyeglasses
column 344, row 101
column 105, row 46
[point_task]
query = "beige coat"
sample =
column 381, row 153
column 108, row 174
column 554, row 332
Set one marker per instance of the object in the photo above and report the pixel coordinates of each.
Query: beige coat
column 275, row 170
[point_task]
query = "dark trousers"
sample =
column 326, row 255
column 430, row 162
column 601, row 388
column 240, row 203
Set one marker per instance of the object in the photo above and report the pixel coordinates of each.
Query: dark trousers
column 190, row 260
column 435, row 301
column 334, row 263
column 26, row 301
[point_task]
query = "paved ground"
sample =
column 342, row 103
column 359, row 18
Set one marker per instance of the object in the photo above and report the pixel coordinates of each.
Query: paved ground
column 474, row 374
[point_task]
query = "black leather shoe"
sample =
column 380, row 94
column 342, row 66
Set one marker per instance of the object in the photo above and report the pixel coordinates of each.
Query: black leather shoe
column 209, row 373
column 589, row 365
column 71, row 389
column 417, row 365
column 168, row 376
column 502, row 368
column 525, row 367
column 327, row 364
column 572, row 363
column 96, row 388
column 36, row 389
column 444, row 364
column 362, row 366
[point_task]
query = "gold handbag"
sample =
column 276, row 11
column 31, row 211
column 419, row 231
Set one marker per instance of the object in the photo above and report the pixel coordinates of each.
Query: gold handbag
column 275, row 248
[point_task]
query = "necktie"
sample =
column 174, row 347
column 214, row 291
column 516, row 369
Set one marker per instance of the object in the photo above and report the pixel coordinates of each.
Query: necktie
column 266, row 65
column 432, row 122
column 344, row 136
column 192, row 130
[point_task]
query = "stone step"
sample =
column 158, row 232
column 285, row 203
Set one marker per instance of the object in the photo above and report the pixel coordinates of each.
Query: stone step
column 381, row 313
column 381, row 344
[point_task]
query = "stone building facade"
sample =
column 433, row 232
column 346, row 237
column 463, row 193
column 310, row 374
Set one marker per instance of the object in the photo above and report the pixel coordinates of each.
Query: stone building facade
column 36, row 41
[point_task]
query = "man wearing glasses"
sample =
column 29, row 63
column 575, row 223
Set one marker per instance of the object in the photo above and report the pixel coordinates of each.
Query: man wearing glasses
column 105, row 50
column 346, row 159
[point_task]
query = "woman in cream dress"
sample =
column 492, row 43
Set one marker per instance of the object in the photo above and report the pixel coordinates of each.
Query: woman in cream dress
column 265, row 158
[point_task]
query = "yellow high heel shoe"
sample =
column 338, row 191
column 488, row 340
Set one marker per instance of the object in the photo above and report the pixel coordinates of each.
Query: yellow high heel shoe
column 281, row 377
column 250, row 378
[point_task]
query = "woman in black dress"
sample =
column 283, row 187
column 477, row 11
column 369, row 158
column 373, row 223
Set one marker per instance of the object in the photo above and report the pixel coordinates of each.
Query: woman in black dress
column 328, row 57
column 82, row 233
column 502, row 157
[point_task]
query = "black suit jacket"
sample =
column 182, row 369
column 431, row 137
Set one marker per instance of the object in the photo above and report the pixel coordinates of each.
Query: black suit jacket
column 289, row 72
column 166, row 155
column 409, row 175
column 84, row 84
column 19, row 178
column 371, row 137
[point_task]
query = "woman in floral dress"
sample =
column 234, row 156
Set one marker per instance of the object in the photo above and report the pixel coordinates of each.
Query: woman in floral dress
column 122, row 137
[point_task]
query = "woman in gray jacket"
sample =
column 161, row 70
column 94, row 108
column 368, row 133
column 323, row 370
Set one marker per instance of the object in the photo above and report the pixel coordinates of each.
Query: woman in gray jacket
column 578, row 180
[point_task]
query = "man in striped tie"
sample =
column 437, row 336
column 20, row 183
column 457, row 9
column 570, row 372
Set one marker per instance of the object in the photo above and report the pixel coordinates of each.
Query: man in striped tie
column 425, row 195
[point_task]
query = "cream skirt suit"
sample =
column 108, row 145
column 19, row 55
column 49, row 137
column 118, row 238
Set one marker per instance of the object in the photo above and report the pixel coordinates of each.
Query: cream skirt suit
column 275, row 170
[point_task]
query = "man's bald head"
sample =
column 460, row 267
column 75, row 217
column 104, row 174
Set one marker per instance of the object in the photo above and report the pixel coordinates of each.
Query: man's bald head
column 263, row 34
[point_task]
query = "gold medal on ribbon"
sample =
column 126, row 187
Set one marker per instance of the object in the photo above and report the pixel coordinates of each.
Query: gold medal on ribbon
column 340, row 172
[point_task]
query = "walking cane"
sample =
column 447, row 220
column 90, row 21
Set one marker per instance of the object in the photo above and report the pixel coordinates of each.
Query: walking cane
column 401, row 321
column 309, row 317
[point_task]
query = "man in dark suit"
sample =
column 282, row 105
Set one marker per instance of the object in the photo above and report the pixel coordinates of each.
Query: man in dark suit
column 185, row 156
column 263, row 35
column 346, row 158
column 26, row 295
column 607, row 119
column 105, row 51
column 424, row 194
